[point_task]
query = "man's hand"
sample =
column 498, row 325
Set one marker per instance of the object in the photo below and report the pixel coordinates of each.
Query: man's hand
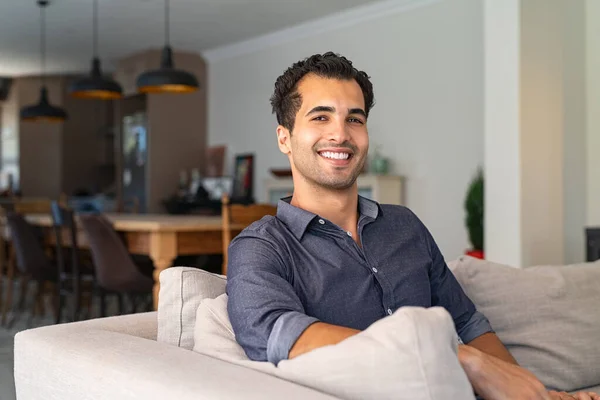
column 495, row 379
column 577, row 396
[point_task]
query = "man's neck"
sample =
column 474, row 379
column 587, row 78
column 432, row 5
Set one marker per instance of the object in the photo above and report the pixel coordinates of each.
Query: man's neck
column 338, row 206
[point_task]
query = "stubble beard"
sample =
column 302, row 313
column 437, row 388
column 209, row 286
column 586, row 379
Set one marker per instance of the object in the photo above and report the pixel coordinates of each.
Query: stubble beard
column 311, row 172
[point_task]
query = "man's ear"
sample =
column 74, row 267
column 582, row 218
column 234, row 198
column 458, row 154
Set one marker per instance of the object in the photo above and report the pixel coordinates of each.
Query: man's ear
column 283, row 139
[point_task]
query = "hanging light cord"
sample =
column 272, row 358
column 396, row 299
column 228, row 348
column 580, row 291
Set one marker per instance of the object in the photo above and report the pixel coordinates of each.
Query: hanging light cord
column 43, row 41
column 95, row 28
column 166, row 22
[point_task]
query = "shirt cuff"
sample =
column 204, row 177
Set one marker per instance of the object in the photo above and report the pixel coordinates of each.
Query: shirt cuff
column 286, row 331
column 476, row 326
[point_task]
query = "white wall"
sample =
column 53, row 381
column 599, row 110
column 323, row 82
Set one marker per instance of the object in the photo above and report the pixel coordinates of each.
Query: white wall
column 593, row 116
column 574, row 139
column 426, row 65
column 529, row 82
column 503, row 242
column 542, row 131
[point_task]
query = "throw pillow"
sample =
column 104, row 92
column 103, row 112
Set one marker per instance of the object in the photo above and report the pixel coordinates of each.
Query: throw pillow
column 547, row 316
column 411, row 354
column 181, row 291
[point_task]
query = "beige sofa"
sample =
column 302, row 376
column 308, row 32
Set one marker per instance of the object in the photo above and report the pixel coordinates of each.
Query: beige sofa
column 548, row 316
column 119, row 358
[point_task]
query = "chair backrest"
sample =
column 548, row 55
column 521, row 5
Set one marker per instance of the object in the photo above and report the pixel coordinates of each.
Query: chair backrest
column 112, row 262
column 63, row 222
column 28, row 247
column 243, row 215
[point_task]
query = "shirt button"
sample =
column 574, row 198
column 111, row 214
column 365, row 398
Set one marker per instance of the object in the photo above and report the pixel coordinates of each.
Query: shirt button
column 321, row 222
column 389, row 311
column 374, row 269
column 349, row 233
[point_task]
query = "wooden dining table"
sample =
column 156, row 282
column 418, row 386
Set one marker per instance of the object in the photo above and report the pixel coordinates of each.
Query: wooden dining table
column 162, row 237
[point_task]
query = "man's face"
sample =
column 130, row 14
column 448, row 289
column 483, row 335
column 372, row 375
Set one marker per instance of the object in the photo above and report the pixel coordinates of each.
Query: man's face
column 329, row 143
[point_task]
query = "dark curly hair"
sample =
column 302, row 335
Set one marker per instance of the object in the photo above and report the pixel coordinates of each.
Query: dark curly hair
column 286, row 100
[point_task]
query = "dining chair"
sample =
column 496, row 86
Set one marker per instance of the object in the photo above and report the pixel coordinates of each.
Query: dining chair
column 31, row 262
column 116, row 272
column 239, row 214
column 73, row 274
column 4, row 251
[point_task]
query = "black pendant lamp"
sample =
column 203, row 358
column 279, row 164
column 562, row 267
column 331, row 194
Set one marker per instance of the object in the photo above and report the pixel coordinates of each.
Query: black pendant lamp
column 43, row 110
column 167, row 79
column 96, row 86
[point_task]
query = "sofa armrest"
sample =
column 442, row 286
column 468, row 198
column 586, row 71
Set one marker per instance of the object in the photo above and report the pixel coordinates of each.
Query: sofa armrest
column 142, row 325
column 116, row 358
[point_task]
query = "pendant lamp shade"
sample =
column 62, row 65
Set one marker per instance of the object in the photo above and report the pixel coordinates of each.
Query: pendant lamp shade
column 96, row 86
column 43, row 111
column 167, row 79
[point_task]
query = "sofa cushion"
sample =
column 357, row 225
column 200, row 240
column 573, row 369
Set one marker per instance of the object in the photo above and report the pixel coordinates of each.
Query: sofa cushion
column 408, row 355
column 181, row 291
column 547, row 316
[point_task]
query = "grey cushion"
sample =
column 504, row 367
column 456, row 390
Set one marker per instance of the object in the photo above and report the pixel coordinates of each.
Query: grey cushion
column 181, row 291
column 547, row 316
column 408, row 355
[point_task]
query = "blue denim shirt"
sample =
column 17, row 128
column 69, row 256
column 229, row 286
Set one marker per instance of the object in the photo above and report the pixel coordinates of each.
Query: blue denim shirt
column 289, row 271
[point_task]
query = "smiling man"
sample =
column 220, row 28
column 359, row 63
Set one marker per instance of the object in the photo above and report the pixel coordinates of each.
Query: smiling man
column 331, row 263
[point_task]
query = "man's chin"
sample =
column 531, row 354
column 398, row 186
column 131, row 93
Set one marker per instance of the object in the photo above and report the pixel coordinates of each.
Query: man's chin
column 338, row 184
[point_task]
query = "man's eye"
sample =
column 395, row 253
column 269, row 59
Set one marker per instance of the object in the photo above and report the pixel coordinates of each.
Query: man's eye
column 355, row 121
column 320, row 118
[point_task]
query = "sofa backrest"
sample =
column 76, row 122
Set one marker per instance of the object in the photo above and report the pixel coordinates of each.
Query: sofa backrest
column 547, row 316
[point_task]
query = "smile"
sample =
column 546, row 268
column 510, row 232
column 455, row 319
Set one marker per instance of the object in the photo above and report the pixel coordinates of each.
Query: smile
column 334, row 155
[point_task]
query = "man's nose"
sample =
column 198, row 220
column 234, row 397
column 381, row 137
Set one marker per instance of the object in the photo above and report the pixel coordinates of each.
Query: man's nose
column 338, row 131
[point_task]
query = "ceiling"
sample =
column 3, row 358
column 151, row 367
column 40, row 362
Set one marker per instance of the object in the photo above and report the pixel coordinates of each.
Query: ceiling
column 128, row 26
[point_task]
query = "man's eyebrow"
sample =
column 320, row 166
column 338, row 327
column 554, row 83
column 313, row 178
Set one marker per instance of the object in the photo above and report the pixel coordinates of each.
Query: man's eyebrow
column 359, row 111
column 318, row 109
column 329, row 109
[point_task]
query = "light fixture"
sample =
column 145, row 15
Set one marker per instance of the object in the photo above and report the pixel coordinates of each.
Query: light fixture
column 95, row 86
column 43, row 110
column 167, row 79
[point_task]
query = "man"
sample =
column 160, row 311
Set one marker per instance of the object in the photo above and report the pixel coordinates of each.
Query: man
column 331, row 262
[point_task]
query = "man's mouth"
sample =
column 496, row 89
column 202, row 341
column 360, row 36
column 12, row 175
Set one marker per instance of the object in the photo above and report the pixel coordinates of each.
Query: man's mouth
column 335, row 155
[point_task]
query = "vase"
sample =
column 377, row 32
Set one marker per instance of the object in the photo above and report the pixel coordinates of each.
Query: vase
column 379, row 165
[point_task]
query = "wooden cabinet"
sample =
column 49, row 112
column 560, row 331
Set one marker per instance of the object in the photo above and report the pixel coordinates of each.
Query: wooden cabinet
column 385, row 189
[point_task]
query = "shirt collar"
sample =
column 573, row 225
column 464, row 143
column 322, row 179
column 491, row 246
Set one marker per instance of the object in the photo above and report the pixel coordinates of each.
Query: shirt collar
column 297, row 219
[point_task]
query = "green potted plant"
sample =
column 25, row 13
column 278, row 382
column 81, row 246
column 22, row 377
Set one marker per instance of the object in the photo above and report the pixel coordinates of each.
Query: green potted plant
column 474, row 215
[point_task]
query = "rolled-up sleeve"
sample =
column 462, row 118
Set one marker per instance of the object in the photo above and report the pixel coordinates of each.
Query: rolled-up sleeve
column 285, row 332
column 266, row 314
column 447, row 292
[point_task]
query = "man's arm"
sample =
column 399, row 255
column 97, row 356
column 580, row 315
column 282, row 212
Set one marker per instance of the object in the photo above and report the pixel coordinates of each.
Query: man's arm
column 490, row 344
column 318, row 335
column 266, row 314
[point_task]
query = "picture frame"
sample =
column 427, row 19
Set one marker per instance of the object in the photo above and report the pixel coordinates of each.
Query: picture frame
column 243, row 179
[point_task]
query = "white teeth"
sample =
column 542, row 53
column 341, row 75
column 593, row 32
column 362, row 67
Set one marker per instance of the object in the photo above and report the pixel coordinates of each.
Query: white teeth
column 335, row 155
